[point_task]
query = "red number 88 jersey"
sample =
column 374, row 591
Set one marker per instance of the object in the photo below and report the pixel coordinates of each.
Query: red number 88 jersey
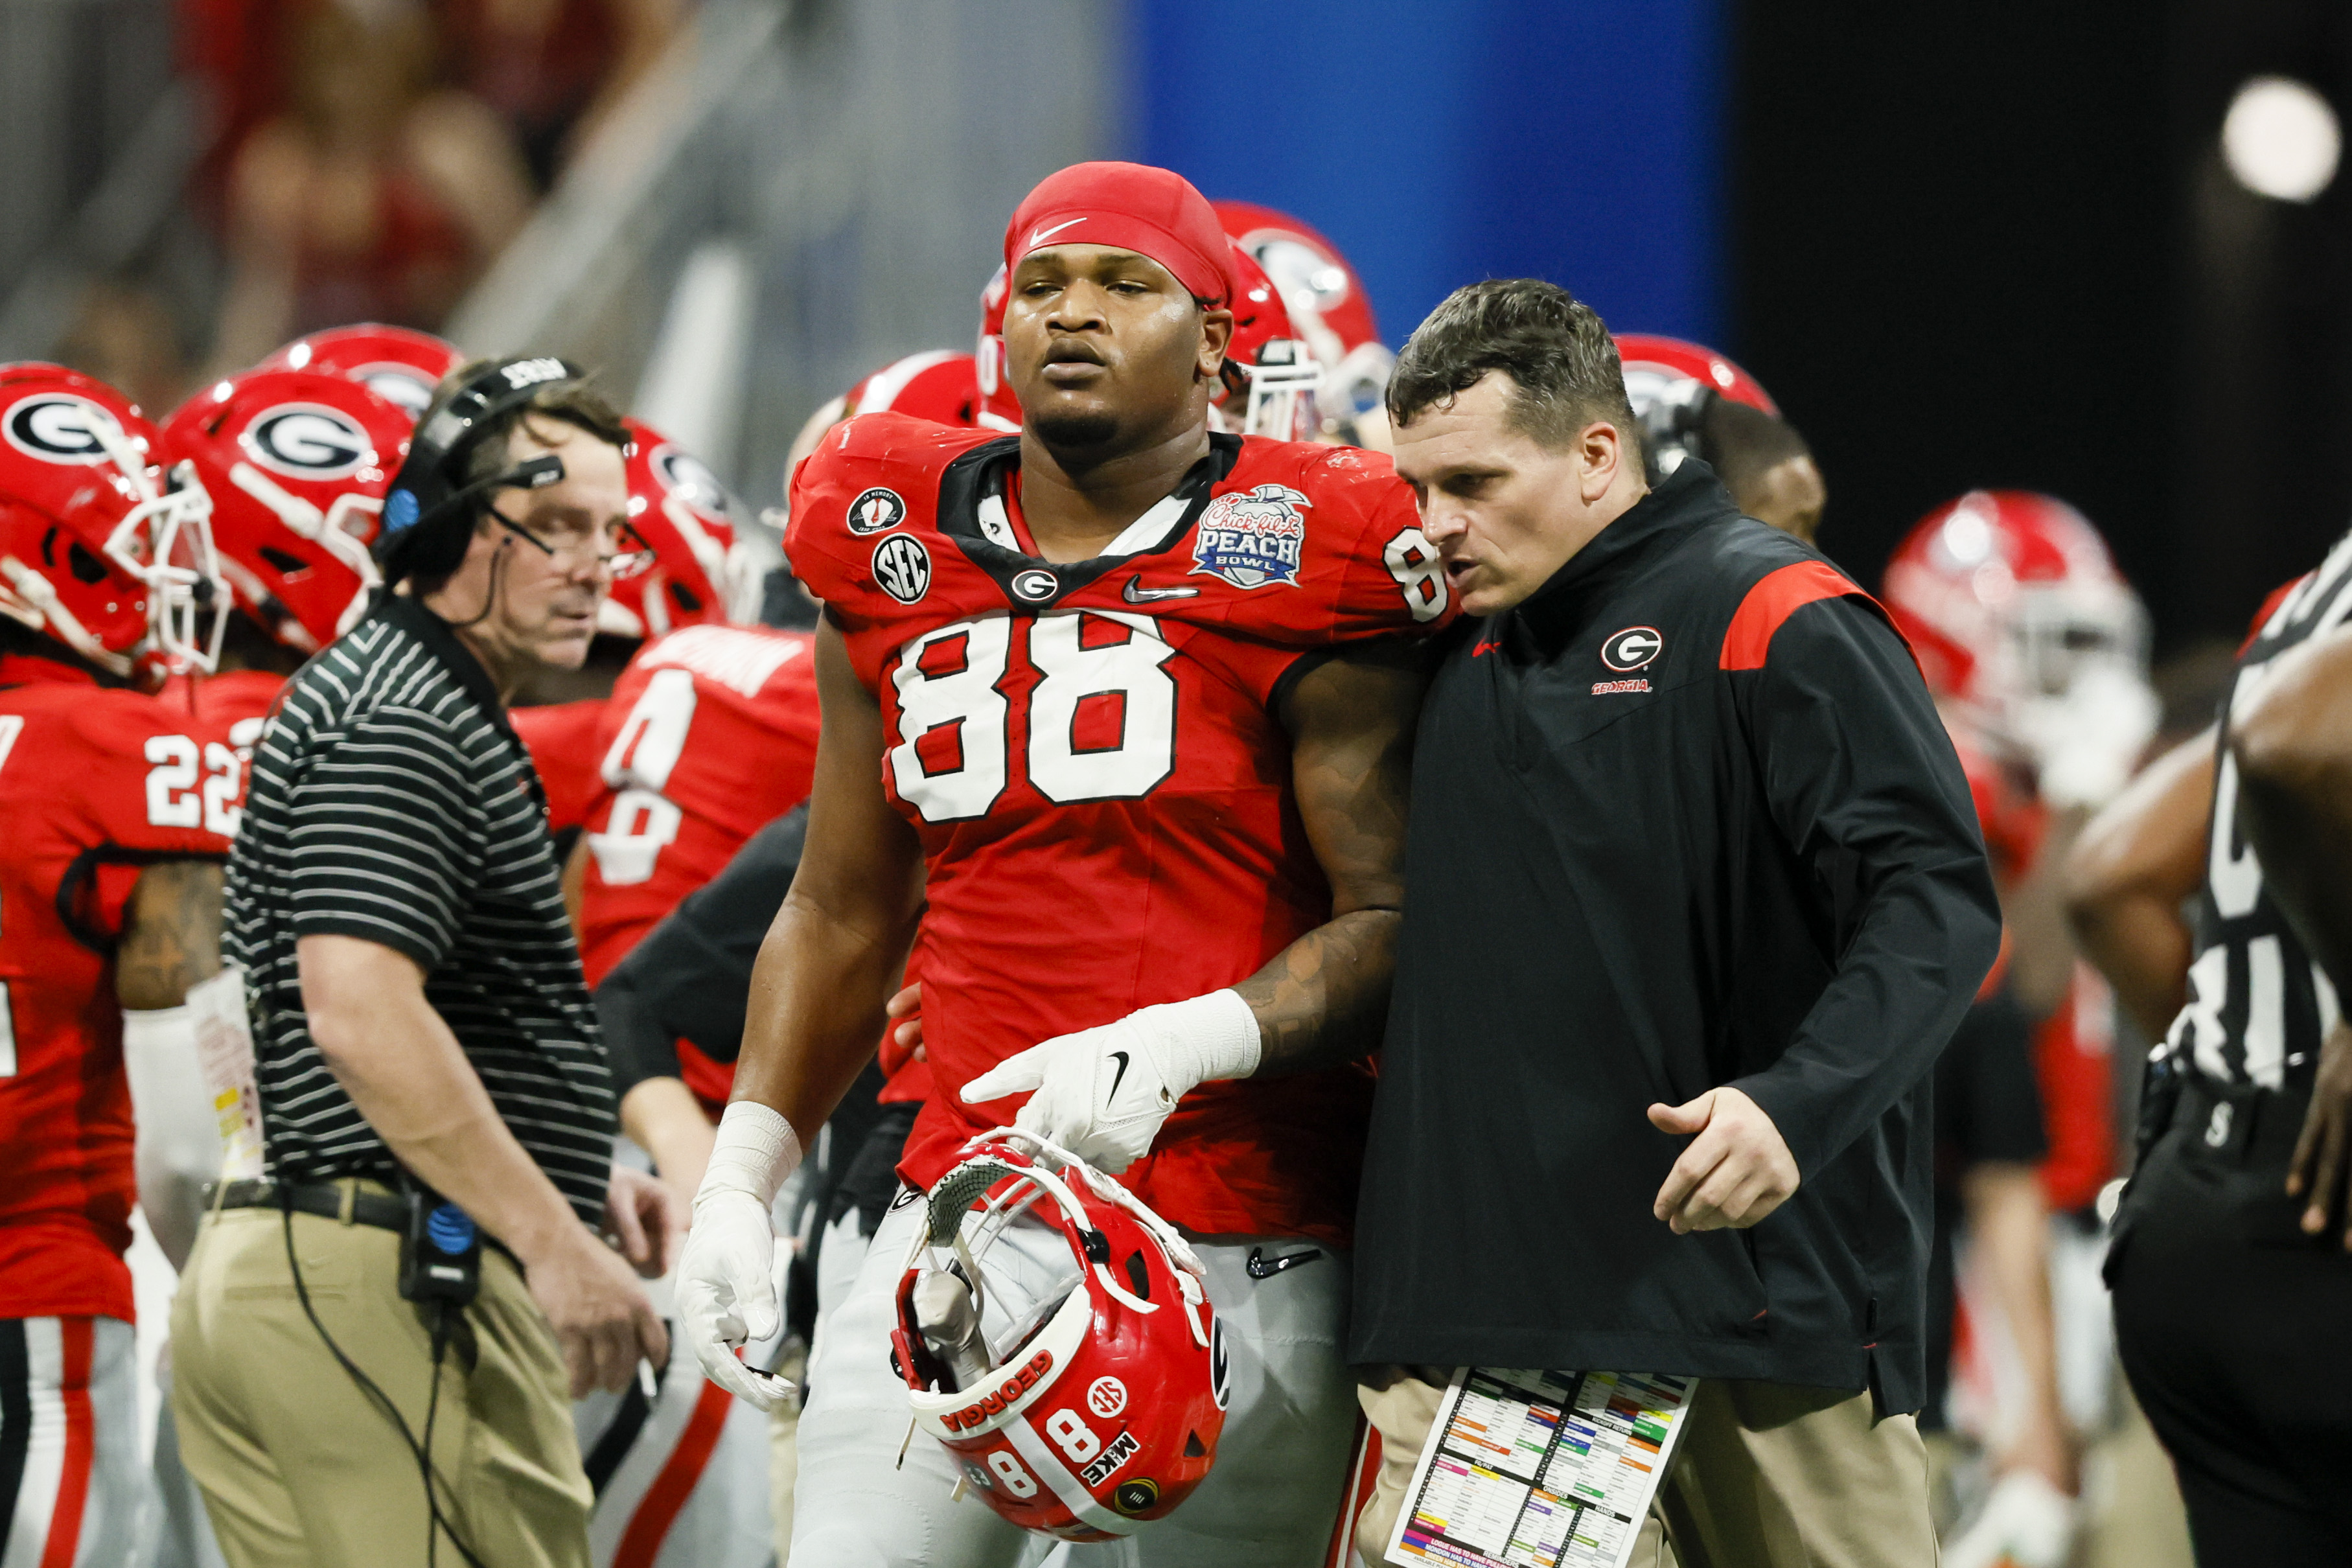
column 1090, row 753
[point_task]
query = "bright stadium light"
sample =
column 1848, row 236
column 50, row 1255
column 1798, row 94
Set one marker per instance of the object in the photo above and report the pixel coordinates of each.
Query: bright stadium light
column 2281, row 139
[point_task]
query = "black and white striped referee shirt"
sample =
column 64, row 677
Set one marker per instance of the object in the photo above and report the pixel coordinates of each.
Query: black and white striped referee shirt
column 391, row 801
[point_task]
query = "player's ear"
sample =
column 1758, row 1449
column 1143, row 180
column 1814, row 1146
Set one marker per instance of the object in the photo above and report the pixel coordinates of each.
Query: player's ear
column 1216, row 336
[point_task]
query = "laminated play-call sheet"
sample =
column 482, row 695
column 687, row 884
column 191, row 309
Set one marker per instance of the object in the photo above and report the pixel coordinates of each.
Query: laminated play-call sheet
column 1540, row 1470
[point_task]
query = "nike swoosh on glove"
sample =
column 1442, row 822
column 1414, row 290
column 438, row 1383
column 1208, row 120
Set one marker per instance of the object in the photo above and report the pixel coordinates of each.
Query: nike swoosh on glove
column 726, row 1278
column 1103, row 1093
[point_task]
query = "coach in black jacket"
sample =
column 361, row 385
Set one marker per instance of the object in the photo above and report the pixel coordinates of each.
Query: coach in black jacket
column 1696, row 895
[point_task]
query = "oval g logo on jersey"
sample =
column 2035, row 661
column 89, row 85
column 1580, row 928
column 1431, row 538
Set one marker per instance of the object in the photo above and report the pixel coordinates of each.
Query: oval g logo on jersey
column 1036, row 587
column 877, row 511
column 307, row 441
column 58, row 427
column 1632, row 647
column 903, row 567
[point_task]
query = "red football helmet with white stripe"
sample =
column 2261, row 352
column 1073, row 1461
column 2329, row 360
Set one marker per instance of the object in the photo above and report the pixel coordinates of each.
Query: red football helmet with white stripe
column 101, row 549
column 698, row 572
column 1271, row 373
column 1100, row 1407
column 297, row 463
column 1328, row 306
column 2024, row 627
column 397, row 364
column 1670, row 383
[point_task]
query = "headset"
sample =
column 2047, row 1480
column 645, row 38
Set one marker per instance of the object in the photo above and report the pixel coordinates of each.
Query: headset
column 428, row 517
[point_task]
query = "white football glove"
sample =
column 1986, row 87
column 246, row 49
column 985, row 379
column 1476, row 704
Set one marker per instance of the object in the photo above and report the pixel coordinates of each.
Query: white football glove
column 1102, row 1093
column 726, row 1278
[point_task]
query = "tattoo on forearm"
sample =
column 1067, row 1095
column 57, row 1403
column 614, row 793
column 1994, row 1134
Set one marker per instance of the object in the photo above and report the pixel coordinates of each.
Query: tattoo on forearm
column 171, row 940
column 1326, row 996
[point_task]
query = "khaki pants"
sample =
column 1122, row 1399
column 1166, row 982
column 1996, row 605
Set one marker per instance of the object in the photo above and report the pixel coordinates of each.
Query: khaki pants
column 301, row 1469
column 1766, row 1475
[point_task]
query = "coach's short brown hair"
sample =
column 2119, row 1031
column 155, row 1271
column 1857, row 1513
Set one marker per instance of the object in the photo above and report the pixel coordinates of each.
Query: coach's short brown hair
column 1561, row 361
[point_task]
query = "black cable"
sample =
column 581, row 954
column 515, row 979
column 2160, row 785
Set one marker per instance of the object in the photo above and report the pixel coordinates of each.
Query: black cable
column 368, row 1386
column 432, row 1409
column 491, row 602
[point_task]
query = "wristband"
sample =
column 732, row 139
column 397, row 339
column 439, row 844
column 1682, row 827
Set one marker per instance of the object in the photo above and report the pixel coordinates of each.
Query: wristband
column 756, row 1151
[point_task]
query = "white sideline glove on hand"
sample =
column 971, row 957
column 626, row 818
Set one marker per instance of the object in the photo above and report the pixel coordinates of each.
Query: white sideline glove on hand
column 726, row 1278
column 1102, row 1093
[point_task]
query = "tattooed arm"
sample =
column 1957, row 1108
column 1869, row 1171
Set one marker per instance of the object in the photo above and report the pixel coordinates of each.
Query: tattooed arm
column 171, row 935
column 1326, row 996
column 171, row 940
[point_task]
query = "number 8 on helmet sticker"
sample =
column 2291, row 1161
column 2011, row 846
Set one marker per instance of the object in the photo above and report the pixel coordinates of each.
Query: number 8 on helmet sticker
column 1078, row 1439
column 1008, row 1469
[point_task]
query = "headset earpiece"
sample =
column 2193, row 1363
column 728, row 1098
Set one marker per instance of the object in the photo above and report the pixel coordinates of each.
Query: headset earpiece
column 428, row 517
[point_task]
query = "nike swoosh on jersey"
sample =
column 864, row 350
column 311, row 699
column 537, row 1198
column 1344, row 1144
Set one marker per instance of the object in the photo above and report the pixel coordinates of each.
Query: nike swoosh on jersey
column 1261, row 1266
column 1135, row 593
column 1484, row 648
column 1038, row 237
column 1121, row 1058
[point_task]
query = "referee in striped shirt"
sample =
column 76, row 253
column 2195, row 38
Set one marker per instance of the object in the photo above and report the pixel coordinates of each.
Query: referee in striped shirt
column 422, row 1037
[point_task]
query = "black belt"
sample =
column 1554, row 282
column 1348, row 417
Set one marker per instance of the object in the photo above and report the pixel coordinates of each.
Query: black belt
column 326, row 1200
column 2238, row 1124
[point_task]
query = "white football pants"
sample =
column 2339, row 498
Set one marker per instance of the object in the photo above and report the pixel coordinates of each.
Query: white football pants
column 1282, row 1464
column 73, row 1479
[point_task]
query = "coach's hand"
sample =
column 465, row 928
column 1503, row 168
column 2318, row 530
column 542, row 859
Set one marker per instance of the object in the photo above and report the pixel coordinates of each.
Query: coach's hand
column 1103, row 1093
column 1736, row 1170
column 2322, row 1165
column 596, row 1307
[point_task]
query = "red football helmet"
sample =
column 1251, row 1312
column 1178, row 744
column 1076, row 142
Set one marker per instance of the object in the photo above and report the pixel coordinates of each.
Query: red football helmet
column 2022, row 622
column 1327, row 302
column 938, row 385
column 99, row 548
column 999, row 408
column 1269, row 368
column 698, row 572
column 1670, row 383
column 1098, row 1408
column 297, row 463
column 400, row 366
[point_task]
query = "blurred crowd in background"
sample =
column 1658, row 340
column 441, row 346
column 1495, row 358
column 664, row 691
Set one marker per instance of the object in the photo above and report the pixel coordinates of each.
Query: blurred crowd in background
column 362, row 159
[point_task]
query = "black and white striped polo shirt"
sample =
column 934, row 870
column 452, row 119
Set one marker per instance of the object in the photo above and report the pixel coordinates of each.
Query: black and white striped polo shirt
column 390, row 800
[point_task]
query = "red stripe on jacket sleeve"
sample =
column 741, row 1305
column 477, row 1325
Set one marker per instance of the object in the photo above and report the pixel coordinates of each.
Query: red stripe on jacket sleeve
column 1778, row 596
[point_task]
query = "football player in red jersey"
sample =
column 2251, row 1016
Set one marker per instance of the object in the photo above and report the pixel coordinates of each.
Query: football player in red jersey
column 2034, row 646
column 118, row 810
column 1124, row 704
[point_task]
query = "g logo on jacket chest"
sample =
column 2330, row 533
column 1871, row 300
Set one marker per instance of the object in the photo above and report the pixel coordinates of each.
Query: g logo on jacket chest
column 1633, row 648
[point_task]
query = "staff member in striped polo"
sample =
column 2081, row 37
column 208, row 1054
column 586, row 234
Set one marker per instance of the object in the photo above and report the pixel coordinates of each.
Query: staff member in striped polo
column 423, row 1037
